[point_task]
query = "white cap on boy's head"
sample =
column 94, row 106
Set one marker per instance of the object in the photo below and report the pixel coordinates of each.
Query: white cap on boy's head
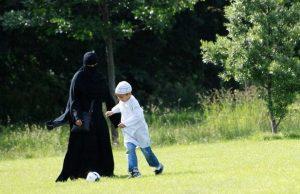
column 123, row 88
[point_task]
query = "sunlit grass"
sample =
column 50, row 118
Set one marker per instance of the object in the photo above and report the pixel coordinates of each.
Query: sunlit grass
column 227, row 167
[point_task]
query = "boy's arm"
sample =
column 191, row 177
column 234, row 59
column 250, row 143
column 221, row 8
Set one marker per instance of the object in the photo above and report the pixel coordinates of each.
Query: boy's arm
column 115, row 118
column 116, row 109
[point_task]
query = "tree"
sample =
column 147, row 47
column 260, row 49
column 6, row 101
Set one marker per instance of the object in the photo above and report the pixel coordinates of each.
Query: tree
column 261, row 49
column 98, row 20
column 106, row 20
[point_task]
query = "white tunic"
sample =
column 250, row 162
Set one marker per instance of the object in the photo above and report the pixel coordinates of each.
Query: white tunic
column 132, row 116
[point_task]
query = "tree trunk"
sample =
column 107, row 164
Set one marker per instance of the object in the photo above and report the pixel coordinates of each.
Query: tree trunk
column 273, row 123
column 110, row 65
column 111, row 80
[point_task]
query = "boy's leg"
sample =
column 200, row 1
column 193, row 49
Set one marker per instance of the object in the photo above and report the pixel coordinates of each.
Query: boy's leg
column 152, row 160
column 150, row 157
column 131, row 156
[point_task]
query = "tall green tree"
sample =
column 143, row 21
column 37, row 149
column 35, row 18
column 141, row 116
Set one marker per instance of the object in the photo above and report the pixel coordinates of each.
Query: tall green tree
column 261, row 49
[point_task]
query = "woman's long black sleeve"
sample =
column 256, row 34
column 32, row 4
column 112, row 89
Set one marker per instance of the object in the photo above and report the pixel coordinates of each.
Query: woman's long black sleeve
column 75, row 97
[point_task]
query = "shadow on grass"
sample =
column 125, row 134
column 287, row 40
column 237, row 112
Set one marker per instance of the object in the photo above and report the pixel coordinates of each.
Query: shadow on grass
column 293, row 136
column 119, row 177
column 281, row 136
column 164, row 173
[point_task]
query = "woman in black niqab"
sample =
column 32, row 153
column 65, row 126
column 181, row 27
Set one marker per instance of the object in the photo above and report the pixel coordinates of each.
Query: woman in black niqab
column 87, row 151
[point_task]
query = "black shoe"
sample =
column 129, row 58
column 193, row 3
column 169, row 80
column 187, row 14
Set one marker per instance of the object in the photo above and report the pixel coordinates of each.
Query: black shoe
column 159, row 170
column 134, row 174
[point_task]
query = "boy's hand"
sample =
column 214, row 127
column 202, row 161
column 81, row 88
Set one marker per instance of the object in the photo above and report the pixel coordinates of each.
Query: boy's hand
column 78, row 122
column 121, row 125
column 109, row 113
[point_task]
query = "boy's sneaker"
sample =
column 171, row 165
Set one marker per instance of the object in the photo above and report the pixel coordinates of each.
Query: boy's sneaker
column 134, row 174
column 159, row 170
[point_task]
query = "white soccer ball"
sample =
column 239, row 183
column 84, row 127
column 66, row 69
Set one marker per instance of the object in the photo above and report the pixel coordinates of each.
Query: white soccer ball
column 93, row 177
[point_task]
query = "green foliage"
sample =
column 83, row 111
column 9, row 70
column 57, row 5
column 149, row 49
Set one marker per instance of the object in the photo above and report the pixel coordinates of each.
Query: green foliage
column 94, row 19
column 260, row 49
column 159, row 14
column 290, row 124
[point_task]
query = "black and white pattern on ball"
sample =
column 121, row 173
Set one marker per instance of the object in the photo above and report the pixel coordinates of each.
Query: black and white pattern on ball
column 97, row 179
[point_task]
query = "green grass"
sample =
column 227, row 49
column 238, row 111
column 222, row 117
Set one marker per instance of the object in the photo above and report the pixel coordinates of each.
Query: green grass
column 227, row 167
column 32, row 141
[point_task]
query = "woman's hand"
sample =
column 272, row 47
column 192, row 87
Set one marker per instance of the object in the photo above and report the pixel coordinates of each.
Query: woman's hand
column 109, row 113
column 121, row 125
column 78, row 122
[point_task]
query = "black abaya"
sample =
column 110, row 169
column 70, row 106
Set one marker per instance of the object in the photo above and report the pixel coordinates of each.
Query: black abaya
column 87, row 151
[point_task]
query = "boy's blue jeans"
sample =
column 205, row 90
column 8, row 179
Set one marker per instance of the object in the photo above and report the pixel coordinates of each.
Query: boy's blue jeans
column 132, row 159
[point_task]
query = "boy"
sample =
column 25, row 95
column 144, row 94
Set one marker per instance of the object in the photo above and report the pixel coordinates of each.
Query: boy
column 134, row 128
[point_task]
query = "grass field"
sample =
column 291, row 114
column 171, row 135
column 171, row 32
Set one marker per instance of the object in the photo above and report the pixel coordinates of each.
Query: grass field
column 227, row 167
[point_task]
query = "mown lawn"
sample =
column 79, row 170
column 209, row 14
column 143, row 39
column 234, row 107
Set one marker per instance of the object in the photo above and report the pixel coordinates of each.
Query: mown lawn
column 227, row 167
